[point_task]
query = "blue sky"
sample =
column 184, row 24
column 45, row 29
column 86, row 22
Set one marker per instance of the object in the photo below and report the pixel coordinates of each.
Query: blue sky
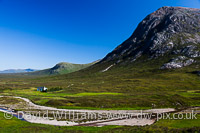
column 40, row 33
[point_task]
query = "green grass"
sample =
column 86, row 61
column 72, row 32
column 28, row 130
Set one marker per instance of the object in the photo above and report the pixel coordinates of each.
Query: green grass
column 96, row 94
column 179, row 123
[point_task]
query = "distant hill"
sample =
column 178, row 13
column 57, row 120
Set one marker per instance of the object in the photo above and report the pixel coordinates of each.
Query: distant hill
column 62, row 68
column 18, row 70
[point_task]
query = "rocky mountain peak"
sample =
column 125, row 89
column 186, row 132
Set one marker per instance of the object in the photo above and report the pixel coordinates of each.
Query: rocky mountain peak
column 172, row 30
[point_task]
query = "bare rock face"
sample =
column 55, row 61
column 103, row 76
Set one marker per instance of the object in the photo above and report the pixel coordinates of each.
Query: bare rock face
column 178, row 62
column 169, row 30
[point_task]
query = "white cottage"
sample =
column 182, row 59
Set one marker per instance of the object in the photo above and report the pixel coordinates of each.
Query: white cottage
column 42, row 89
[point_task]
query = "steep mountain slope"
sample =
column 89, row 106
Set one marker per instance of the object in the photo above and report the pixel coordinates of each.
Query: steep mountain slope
column 18, row 70
column 62, row 68
column 172, row 32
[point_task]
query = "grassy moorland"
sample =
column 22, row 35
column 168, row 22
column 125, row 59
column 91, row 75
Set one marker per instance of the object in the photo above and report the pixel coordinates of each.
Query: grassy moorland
column 140, row 85
column 133, row 86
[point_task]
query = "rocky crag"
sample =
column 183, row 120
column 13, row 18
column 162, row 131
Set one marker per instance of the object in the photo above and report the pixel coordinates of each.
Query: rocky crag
column 168, row 31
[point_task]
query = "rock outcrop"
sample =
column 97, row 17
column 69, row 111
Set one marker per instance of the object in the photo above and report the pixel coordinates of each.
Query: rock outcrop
column 180, row 61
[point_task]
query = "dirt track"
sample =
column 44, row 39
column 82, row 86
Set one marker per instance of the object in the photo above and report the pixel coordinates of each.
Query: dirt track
column 113, row 121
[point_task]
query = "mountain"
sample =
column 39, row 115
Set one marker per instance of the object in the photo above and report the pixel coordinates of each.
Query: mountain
column 170, row 33
column 18, row 70
column 62, row 68
column 155, row 67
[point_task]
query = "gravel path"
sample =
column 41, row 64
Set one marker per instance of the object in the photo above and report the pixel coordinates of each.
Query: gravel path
column 111, row 121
